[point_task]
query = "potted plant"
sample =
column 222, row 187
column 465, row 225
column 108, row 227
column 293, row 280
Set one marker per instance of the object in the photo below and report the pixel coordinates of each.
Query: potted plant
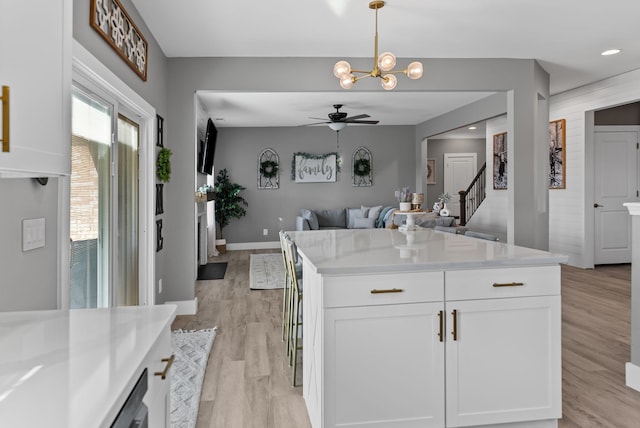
column 404, row 198
column 229, row 203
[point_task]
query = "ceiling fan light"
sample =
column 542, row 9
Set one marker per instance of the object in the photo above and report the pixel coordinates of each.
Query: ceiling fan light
column 415, row 70
column 386, row 61
column 341, row 69
column 337, row 126
column 347, row 81
column 389, row 81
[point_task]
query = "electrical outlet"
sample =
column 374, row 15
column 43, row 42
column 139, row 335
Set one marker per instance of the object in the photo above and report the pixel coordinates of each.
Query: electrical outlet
column 265, row 232
column 160, row 286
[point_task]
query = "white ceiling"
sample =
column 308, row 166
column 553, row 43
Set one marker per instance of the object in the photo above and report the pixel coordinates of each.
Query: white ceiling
column 566, row 37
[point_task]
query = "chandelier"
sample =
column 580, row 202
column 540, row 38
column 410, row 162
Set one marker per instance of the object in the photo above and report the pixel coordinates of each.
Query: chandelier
column 382, row 66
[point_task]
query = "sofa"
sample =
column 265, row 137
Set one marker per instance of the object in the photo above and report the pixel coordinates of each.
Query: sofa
column 363, row 217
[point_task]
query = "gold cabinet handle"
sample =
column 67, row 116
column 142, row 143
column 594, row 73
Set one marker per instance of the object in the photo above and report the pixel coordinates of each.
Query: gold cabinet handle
column 441, row 320
column 393, row 290
column 508, row 284
column 169, row 361
column 454, row 333
column 5, row 118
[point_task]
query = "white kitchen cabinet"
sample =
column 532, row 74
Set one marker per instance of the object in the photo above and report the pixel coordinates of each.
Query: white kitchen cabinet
column 158, row 394
column 503, row 365
column 36, row 66
column 387, row 366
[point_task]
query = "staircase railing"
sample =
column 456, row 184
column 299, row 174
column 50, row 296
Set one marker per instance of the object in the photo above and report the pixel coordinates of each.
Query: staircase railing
column 471, row 198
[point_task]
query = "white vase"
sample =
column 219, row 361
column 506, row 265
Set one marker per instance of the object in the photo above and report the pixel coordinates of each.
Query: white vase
column 405, row 206
column 444, row 211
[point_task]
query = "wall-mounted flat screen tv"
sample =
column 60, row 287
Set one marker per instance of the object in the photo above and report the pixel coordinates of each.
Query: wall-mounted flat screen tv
column 209, row 148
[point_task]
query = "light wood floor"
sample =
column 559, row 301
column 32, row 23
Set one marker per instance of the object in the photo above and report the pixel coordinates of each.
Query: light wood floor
column 248, row 382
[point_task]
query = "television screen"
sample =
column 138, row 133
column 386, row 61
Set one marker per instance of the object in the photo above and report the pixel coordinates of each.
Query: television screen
column 200, row 156
column 209, row 148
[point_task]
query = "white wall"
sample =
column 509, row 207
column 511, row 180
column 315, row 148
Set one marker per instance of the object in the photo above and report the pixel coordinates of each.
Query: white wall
column 571, row 224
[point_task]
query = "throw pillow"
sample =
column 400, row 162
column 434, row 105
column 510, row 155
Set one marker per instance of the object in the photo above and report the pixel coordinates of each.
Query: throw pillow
column 364, row 223
column 353, row 214
column 373, row 212
column 311, row 217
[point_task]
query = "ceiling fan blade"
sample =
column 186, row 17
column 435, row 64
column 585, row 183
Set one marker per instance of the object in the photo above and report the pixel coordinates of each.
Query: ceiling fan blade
column 365, row 122
column 358, row 116
column 318, row 118
column 315, row 123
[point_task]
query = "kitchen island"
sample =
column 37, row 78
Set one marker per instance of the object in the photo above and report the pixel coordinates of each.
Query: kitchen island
column 429, row 329
column 76, row 368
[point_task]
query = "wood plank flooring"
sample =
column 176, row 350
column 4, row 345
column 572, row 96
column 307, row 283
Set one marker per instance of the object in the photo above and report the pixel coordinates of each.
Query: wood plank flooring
column 248, row 381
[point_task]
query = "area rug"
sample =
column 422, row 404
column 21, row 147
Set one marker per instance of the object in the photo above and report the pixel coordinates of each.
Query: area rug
column 191, row 350
column 212, row 271
column 266, row 271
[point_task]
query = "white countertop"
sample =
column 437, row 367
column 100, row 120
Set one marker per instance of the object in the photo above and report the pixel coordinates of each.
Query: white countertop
column 389, row 250
column 70, row 368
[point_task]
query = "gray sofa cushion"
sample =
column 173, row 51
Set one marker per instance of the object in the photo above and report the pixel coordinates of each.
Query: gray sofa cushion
column 372, row 212
column 332, row 218
column 311, row 217
column 364, row 223
column 353, row 214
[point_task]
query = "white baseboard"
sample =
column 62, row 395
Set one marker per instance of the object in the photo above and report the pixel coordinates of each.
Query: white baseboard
column 253, row 245
column 185, row 307
column 632, row 376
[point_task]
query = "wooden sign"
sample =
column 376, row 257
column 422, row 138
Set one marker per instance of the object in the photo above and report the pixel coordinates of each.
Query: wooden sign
column 315, row 168
column 112, row 22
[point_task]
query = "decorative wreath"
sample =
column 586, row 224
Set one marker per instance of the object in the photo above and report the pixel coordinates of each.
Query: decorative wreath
column 268, row 168
column 362, row 167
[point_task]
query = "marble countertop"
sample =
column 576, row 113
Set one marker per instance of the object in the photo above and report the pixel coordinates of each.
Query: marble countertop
column 390, row 250
column 72, row 368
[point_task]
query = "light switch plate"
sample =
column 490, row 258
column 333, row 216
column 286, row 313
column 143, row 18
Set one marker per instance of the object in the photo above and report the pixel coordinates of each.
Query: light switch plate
column 33, row 231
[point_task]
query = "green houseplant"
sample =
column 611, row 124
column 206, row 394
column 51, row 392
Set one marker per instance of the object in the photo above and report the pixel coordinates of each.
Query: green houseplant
column 163, row 165
column 228, row 203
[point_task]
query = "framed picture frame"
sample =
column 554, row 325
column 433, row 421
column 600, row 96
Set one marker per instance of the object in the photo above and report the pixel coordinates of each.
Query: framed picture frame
column 310, row 168
column 500, row 161
column 431, row 171
column 557, row 154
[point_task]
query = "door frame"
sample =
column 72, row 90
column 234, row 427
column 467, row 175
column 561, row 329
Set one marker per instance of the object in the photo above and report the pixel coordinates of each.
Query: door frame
column 88, row 69
column 444, row 167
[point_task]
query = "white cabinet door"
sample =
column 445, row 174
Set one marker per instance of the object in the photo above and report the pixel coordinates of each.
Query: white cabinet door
column 384, row 366
column 505, row 363
column 36, row 66
column 158, row 395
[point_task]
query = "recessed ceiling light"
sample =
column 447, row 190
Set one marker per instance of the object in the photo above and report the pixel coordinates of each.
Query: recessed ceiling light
column 219, row 118
column 610, row 52
column 473, row 127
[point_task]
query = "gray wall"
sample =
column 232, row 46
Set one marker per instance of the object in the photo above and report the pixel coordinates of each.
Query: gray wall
column 28, row 280
column 238, row 150
column 437, row 148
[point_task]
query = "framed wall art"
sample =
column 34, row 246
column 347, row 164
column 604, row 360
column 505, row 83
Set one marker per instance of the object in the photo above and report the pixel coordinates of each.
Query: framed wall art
column 310, row 168
column 431, row 171
column 361, row 172
column 557, row 157
column 268, row 169
column 500, row 161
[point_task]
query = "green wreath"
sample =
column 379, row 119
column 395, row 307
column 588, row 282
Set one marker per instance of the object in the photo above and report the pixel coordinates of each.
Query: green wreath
column 362, row 167
column 163, row 165
column 268, row 169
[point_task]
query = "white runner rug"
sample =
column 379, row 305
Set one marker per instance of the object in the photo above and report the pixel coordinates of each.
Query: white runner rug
column 266, row 272
column 191, row 350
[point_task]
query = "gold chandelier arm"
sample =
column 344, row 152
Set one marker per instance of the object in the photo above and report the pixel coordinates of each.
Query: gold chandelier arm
column 356, row 78
column 396, row 71
column 361, row 71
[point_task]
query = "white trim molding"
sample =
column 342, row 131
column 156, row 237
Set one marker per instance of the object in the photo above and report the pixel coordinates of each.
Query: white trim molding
column 185, row 307
column 253, row 245
column 632, row 376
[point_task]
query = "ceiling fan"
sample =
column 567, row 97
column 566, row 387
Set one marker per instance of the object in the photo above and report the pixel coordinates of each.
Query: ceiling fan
column 339, row 119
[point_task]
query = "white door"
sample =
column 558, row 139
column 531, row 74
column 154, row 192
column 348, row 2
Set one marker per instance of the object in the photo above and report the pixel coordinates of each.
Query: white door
column 503, row 365
column 459, row 170
column 616, row 182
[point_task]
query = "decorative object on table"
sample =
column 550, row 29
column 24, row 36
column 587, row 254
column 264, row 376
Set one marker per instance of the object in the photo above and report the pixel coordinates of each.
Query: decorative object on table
column 500, row 161
column 443, row 199
column 159, row 237
column 436, row 207
column 159, row 198
column 404, row 198
column 431, row 171
column 212, row 271
column 268, row 169
column 266, row 271
column 310, row 168
column 361, row 173
column 205, row 193
column 113, row 23
column 417, row 199
column 163, row 165
column 228, row 200
column 159, row 131
column 384, row 63
column 191, row 350
column 557, row 146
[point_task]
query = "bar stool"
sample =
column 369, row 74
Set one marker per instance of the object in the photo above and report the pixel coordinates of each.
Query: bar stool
column 287, row 289
column 295, row 315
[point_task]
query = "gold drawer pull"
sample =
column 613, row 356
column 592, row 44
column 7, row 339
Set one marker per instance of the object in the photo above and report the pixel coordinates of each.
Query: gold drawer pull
column 169, row 361
column 508, row 284
column 393, row 290
column 5, row 118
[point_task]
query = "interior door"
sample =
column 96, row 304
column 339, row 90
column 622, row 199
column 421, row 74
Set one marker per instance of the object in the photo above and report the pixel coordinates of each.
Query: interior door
column 616, row 182
column 459, row 170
